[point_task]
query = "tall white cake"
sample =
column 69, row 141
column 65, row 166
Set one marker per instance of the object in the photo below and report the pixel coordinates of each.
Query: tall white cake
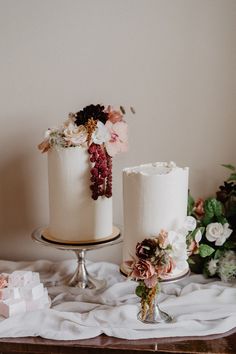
column 80, row 154
column 74, row 215
column 155, row 199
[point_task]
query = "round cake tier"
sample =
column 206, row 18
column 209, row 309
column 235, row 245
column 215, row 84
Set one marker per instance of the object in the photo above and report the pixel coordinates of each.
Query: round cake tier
column 74, row 216
column 155, row 198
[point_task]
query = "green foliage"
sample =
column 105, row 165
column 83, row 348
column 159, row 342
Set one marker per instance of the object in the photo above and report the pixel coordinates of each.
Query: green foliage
column 232, row 168
column 191, row 261
column 205, row 250
column 190, row 204
column 230, row 245
column 140, row 290
column 232, row 177
column 220, row 211
column 218, row 253
column 213, row 210
column 221, row 219
column 229, row 166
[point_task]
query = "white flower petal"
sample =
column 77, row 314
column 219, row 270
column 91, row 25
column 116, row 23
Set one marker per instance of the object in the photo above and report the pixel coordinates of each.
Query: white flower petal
column 101, row 134
column 220, row 241
column 190, row 223
column 227, row 230
column 198, row 236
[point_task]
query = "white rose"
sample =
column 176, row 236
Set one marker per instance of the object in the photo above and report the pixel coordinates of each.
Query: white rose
column 101, row 134
column 190, row 223
column 218, row 233
column 76, row 135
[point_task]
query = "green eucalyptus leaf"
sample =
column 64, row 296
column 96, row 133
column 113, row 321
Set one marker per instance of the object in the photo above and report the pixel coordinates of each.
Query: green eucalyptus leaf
column 205, row 250
column 232, row 177
column 230, row 167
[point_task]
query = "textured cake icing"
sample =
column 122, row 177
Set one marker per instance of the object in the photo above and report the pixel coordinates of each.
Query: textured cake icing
column 155, row 199
column 80, row 154
column 74, row 215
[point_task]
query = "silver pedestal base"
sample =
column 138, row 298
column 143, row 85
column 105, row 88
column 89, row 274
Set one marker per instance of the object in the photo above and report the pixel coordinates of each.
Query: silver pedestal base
column 157, row 316
column 81, row 278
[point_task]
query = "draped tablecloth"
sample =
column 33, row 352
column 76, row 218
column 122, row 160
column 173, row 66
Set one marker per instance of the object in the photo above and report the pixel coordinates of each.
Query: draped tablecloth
column 199, row 306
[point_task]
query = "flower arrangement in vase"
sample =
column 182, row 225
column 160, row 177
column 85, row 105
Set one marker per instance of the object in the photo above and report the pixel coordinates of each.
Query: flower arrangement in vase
column 154, row 261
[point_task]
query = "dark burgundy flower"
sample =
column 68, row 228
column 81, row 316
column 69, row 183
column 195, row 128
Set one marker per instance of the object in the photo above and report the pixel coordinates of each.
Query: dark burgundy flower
column 146, row 249
column 225, row 191
column 92, row 111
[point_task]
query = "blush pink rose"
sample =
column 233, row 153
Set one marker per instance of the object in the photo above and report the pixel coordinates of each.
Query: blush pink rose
column 118, row 141
column 151, row 282
column 142, row 269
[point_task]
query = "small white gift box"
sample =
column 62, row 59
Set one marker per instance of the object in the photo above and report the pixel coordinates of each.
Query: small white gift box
column 12, row 307
column 23, row 293
column 19, row 278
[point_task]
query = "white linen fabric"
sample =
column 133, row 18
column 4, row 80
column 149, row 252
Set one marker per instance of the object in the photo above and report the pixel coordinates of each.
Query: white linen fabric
column 199, row 306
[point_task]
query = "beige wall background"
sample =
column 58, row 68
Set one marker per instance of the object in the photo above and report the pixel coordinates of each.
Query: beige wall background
column 174, row 61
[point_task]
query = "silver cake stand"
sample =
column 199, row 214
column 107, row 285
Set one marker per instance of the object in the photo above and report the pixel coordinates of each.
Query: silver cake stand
column 81, row 278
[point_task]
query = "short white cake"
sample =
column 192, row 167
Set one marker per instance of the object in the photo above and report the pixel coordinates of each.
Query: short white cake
column 155, row 199
column 74, row 216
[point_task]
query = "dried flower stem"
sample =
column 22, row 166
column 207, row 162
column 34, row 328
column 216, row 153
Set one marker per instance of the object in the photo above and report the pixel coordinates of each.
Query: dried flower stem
column 90, row 125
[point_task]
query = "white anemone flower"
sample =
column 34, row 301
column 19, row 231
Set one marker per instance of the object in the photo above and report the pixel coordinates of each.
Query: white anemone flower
column 101, row 134
column 179, row 254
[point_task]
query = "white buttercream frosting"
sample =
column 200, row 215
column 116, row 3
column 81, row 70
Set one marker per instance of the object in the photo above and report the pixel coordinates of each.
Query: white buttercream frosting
column 155, row 199
column 74, row 215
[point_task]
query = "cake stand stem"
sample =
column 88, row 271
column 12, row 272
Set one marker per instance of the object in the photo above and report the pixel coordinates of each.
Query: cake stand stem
column 81, row 278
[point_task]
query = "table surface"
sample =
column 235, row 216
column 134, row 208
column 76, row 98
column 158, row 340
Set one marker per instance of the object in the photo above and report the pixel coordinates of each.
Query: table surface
column 217, row 344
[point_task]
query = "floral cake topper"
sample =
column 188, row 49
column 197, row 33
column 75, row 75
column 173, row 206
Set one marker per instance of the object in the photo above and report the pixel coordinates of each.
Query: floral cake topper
column 103, row 131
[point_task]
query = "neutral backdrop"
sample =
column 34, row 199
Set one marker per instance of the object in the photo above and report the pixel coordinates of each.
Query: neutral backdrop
column 174, row 61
